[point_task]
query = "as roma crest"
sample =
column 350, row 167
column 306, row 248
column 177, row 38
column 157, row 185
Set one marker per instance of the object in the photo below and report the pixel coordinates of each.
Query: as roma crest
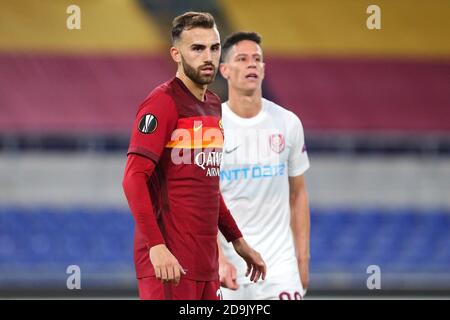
column 277, row 142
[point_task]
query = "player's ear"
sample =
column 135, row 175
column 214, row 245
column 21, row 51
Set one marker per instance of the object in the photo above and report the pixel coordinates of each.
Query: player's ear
column 224, row 70
column 175, row 54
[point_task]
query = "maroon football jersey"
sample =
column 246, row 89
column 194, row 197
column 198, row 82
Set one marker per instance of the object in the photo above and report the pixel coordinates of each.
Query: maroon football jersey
column 184, row 137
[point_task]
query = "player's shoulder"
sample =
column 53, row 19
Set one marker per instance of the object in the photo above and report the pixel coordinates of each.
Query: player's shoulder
column 213, row 97
column 214, row 102
column 162, row 96
column 165, row 91
column 277, row 111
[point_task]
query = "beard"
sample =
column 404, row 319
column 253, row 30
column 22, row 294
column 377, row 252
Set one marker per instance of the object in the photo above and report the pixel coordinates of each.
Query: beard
column 195, row 74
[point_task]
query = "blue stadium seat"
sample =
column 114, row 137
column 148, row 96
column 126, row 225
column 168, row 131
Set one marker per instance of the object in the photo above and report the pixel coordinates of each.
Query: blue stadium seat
column 342, row 240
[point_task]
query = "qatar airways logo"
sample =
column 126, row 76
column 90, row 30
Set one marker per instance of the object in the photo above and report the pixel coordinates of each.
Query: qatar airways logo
column 210, row 162
column 200, row 145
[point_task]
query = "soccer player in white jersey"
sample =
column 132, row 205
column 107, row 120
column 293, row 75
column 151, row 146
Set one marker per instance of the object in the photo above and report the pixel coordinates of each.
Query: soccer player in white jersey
column 262, row 182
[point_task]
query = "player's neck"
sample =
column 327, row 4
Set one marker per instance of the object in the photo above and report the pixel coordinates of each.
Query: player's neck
column 243, row 105
column 198, row 90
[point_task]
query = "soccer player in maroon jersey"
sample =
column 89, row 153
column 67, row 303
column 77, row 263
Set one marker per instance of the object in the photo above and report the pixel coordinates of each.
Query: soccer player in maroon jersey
column 171, row 178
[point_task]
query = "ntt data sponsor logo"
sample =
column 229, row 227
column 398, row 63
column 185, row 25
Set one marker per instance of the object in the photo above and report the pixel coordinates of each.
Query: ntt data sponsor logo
column 254, row 172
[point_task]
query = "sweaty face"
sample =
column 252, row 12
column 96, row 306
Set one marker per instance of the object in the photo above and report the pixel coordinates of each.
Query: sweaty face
column 245, row 66
column 200, row 54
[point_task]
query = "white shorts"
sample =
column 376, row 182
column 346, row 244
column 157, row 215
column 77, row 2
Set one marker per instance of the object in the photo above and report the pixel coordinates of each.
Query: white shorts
column 284, row 286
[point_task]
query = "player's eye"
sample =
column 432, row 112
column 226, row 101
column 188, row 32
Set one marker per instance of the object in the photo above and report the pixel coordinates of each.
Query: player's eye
column 197, row 48
column 215, row 48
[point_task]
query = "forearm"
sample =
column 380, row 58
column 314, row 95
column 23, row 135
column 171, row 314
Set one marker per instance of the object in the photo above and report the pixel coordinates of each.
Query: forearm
column 220, row 249
column 300, row 224
column 227, row 224
column 135, row 187
column 237, row 243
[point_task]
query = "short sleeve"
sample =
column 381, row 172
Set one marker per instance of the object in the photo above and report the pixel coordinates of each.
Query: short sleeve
column 298, row 161
column 155, row 121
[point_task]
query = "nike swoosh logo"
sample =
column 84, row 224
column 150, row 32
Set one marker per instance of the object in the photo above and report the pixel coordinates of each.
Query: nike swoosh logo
column 198, row 127
column 231, row 150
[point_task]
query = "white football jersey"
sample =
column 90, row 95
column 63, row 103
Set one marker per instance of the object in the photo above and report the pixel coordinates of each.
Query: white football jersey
column 259, row 155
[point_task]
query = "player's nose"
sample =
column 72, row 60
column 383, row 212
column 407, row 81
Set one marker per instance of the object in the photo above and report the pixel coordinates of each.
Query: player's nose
column 207, row 56
column 251, row 64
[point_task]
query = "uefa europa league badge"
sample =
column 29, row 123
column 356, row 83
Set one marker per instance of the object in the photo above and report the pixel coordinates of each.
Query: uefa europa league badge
column 277, row 142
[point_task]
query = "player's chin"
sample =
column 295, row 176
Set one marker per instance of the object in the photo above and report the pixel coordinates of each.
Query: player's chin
column 248, row 89
column 207, row 79
column 250, row 86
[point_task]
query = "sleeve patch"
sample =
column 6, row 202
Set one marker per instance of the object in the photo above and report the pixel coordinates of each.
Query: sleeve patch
column 148, row 123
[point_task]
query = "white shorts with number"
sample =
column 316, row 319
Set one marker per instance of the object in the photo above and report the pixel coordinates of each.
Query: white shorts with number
column 283, row 286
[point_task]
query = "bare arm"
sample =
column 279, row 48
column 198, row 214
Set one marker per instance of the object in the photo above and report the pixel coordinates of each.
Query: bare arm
column 300, row 224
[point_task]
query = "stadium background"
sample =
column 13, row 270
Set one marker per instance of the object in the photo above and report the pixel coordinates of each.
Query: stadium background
column 375, row 105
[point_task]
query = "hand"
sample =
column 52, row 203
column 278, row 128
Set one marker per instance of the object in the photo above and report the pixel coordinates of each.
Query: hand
column 167, row 268
column 255, row 263
column 227, row 274
column 303, row 267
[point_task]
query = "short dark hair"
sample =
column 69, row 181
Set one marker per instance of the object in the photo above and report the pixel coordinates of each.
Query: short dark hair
column 190, row 20
column 237, row 37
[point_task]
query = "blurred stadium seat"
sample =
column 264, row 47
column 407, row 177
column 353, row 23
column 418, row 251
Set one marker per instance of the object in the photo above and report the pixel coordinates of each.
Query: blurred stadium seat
column 100, row 241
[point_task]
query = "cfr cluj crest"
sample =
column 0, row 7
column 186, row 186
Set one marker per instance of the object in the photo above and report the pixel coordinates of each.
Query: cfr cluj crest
column 277, row 142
